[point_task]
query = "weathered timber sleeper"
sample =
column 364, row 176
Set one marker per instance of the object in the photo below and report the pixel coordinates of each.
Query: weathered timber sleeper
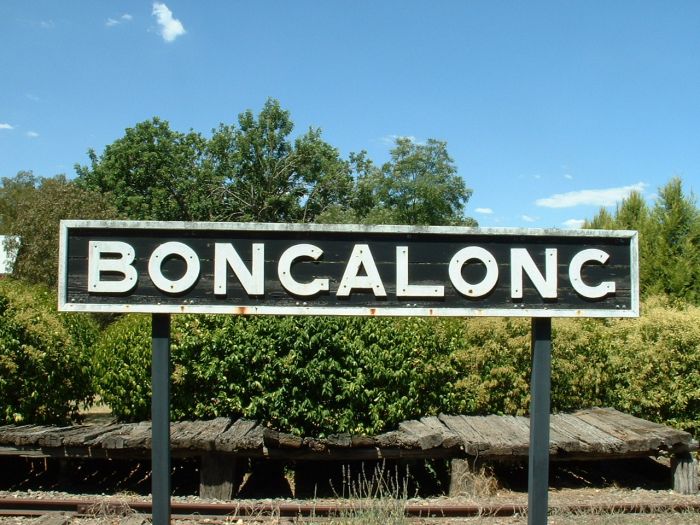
column 593, row 434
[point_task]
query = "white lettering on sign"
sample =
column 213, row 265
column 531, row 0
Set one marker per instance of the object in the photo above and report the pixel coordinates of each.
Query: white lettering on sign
column 591, row 292
column 253, row 280
column 284, row 270
column 361, row 257
column 464, row 255
column 521, row 261
column 165, row 251
column 121, row 264
column 403, row 289
column 110, row 259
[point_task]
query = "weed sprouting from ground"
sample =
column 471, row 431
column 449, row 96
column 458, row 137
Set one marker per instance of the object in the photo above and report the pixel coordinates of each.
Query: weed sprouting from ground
column 378, row 498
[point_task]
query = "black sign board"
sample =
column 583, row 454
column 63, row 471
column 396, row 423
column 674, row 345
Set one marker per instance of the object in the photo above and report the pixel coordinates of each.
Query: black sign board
column 251, row 268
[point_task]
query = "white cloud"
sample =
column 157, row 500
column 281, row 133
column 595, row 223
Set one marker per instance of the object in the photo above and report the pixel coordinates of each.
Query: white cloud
column 528, row 218
column 32, row 97
column 5, row 125
column 568, row 176
column 574, row 224
column 126, row 17
column 32, row 134
column 170, row 28
column 485, row 211
column 602, row 197
column 47, row 24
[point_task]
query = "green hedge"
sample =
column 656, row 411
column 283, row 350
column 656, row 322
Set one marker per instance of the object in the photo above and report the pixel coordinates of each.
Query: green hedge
column 323, row 375
column 657, row 366
column 45, row 362
column 303, row 374
column 648, row 367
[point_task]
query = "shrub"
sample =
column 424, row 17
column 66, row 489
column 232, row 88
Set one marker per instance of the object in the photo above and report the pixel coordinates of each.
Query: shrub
column 122, row 360
column 310, row 375
column 582, row 353
column 492, row 359
column 321, row 375
column 657, row 365
column 45, row 366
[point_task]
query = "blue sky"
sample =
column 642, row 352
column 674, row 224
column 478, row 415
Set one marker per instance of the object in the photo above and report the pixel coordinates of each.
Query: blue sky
column 549, row 109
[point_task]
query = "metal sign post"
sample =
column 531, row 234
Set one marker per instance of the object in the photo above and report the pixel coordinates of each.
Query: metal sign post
column 160, row 419
column 540, row 382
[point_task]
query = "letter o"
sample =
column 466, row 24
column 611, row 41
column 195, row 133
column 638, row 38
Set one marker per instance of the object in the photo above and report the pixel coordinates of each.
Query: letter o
column 164, row 251
column 487, row 283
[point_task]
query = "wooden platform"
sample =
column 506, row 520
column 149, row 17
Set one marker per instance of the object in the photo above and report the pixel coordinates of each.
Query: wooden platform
column 593, row 434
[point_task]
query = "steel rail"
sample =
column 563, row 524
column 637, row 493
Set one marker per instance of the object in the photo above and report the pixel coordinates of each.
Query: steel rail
column 93, row 506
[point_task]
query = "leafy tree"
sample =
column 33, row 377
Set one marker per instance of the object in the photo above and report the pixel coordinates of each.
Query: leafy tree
column 419, row 185
column 669, row 240
column 267, row 177
column 254, row 171
column 603, row 220
column 12, row 192
column 674, row 268
column 45, row 357
column 632, row 213
column 38, row 215
column 153, row 173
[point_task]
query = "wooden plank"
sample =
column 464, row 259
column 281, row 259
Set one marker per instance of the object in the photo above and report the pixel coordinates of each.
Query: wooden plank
column 634, row 441
column 319, row 446
column 397, row 439
column 273, row 438
column 589, row 433
column 242, row 435
column 658, row 436
column 492, row 431
column 253, row 439
column 31, row 436
column 483, row 442
column 139, row 436
column 57, row 437
column 596, row 440
column 88, row 434
column 472, row 441
column 425, row 436
column 339, row 440
column 181, row 433
column 205, row 439
column 362, row 441
column 197, row 435
column 116, row 438
column 9, row 433
column 449, row 438
column 565, row 438
column 513, row 432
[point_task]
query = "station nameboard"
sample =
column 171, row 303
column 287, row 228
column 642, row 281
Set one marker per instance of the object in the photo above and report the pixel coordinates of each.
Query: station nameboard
column 302, row 269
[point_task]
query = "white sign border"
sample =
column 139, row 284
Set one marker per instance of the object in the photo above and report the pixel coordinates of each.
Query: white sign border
column 359, row 311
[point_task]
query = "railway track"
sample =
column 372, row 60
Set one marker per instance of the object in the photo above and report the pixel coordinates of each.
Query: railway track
column 28, row 507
